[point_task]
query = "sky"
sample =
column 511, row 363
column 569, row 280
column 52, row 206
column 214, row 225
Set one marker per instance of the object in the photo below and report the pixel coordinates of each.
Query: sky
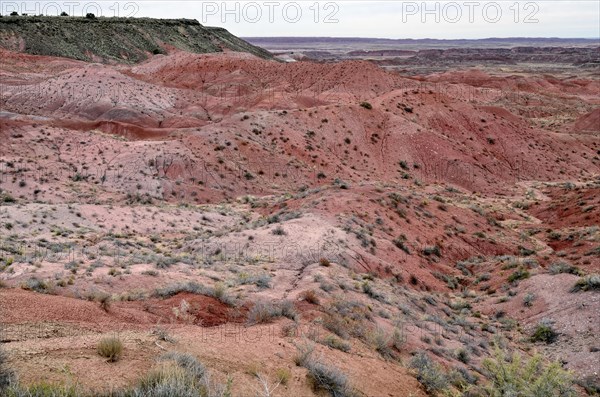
column 376, row 19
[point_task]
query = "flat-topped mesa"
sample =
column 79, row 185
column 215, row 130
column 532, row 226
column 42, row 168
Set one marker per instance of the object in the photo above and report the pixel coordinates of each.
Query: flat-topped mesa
column 119, row 40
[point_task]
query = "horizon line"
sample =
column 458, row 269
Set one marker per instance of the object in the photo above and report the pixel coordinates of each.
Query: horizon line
column 425, row 38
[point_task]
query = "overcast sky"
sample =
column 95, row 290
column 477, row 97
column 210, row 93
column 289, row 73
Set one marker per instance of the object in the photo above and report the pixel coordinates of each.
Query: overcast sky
column 386, row 19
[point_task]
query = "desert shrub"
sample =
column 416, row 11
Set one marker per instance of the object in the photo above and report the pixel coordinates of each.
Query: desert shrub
column 371, row 292
column 220, row 292
column 163, row 335
column 42, row 390
column 304, row 353
column 283, row 375
column 520, row 274
column 382, row 342
column 264, row 312
column 528, row 299
column 328, row 378
column 523, row 251
column 164, row 262
column 174, row 289
column 166, row 381
column 187, row 362
column 181, row 375
column 104, row 300
column 461, row 377
column 336, row 343
column 37, row 285
column 434, row 250
column 263, row 281
column 463, row 356
column 5, row 372
column 366, row 105
column 511, row 376
column 398, row 339
column 463, row 380
column 110, row 348
column 429, row 373
column 279, row 231
column 310, row 296
column 346, row 318
column 400, row 243
column 326, row 286
column 459, row 304
column 544, row 333
column 587, row 283
column 563, row 267
column 591, row 384
column 288, row 310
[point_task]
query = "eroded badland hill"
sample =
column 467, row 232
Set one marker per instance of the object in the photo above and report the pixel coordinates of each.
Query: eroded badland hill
column 298, row 228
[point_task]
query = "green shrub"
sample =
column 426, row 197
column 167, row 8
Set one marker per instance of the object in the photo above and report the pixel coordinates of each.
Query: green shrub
column 110, row 348
column 520, row 274
column 366, row 105
column 544, row 333
column 511, row 376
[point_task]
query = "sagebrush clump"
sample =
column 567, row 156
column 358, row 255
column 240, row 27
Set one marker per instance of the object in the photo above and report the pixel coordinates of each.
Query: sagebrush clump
column 511, row 375
column 429, row 373
column 110, row 348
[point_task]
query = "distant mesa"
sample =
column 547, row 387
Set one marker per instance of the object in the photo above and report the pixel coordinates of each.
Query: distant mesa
column 116, row 40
